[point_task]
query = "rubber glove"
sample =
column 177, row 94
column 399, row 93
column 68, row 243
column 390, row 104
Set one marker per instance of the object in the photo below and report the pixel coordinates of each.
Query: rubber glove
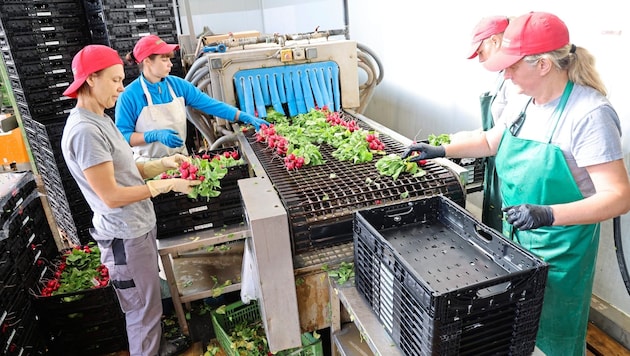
column 424, row 150
column 160, row 186
column 528, row 216
column 155, row 167
column 252, row 120
column 168, row 137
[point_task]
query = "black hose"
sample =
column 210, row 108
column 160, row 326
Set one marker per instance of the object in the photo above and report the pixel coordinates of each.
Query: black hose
column 621, row 260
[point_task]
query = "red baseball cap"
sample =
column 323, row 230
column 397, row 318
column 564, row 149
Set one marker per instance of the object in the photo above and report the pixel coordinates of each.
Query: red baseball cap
column 90, row 59
column 487, row 27
column 532, row 33
column 152, row 44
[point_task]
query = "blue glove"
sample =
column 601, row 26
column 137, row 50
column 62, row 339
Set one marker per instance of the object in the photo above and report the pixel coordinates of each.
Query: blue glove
column 528, row 216
column 251, row 120
column 424, row 150
column 168, row 137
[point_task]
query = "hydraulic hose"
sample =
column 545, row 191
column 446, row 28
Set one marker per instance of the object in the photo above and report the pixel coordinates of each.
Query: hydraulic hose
column 621, row 259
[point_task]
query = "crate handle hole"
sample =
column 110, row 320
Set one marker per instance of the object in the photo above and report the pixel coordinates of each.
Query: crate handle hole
column 483, row 233
column 494, row 290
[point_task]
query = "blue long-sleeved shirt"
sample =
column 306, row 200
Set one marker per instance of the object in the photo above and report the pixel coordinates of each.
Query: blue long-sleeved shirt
column 131, row 102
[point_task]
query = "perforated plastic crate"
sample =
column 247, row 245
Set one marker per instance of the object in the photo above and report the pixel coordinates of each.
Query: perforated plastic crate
column 442, row 283
column 237, row 313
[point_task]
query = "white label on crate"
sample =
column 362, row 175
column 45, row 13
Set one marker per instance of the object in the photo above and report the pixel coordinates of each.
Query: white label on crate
column 47, row 13
column 44, row 270
column 39, row 253
column 27, row 219
column 19, row 201
column 30, row 239
column 55, row 71
column 52, row 43
column 144, row 34
column 52, row 58
column 198, row 209
column 140, row 6
column 51, row 28
column 203, row 226
column 62, row 84
column 4, row 315
column 142, row 20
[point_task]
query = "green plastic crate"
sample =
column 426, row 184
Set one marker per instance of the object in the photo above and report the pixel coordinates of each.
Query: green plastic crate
column 238, row 312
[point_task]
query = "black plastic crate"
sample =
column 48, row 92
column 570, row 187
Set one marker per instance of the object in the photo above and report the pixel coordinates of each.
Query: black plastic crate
column 442, row 283
column 39, row 9
column 130, row 4
column 100, row 339
column 138, row 15
column 43, row 24
column 42, row 81
column 137, row 30
column 177, row 225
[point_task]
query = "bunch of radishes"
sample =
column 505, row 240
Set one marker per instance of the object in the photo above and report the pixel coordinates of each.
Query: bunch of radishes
column 334, row 119
column 280, row 145
column 78, row 269
column 374, row 143
column 292, row 162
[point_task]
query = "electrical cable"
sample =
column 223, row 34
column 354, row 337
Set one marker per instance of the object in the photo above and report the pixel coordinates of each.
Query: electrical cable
column 621, row 259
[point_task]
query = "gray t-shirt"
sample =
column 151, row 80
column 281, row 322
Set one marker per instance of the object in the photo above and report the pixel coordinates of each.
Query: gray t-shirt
column 89, row 140
column 588, row 132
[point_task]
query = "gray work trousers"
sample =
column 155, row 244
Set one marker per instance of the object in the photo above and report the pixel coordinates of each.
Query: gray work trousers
column 133, row 270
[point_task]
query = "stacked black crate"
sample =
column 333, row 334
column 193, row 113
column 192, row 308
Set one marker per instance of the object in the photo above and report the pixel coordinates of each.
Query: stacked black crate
column 26, row 242
column 129, row 20
column 40, row 40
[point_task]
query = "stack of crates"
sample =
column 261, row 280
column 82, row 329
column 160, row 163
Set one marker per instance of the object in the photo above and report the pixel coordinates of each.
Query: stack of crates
column 121, row 23
column 38, row 41
column 177, row 214
column 26, row 242
column 442, row 283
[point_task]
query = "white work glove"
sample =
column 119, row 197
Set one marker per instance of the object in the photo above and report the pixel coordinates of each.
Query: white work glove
column 160, row 186
column 155, row 167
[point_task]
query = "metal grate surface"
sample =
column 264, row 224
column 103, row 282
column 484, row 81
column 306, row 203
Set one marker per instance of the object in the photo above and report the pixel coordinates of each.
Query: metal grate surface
column 320, row 200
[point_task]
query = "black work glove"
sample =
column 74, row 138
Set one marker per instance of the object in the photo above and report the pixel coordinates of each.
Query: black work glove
column 528, row 216
column 424, row 150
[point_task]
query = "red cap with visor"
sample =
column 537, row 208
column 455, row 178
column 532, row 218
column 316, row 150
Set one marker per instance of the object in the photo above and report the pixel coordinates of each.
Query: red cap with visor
column 487, row 27
column 90, row 59
column 152, row 44
column 529, row 34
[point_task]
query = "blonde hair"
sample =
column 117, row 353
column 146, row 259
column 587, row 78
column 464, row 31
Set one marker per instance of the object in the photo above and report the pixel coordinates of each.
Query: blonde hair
column 578, row 62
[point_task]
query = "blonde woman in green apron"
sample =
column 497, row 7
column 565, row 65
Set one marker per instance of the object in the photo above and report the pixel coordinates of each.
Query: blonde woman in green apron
column 151, row 112
column 560, row 162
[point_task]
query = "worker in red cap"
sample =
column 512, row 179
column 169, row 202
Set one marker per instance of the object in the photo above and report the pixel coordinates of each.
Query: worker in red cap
column 560, row 162
column 151, row 113
column 485, row 42
column 113, row 184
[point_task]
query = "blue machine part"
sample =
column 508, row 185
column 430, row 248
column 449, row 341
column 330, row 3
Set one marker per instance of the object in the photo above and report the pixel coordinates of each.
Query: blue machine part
column 301, row 87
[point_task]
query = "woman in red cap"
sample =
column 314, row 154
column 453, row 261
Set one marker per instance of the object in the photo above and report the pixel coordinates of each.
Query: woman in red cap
column 560, row 162
column 113, row 184
column 151, row 113
column 486, row 41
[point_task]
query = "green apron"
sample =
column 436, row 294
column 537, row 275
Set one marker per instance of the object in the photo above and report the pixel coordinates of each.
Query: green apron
column 491, row 213
column 537, row 173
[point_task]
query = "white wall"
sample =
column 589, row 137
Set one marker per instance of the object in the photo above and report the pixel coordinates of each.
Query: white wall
column 429, row 86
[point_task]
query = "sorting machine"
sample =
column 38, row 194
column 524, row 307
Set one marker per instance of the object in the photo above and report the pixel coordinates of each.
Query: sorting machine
column 293, row 74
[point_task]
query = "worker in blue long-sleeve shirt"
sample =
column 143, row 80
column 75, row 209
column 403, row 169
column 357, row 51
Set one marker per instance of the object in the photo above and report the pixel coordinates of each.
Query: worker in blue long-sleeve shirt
column 151, row 112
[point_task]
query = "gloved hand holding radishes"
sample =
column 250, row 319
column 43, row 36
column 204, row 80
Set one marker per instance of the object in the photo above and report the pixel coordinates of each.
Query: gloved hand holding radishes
column 155, row 167
column 529, row 216
column 180, row 185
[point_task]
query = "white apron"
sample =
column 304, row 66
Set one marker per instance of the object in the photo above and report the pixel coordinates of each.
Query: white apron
column 161, row 116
